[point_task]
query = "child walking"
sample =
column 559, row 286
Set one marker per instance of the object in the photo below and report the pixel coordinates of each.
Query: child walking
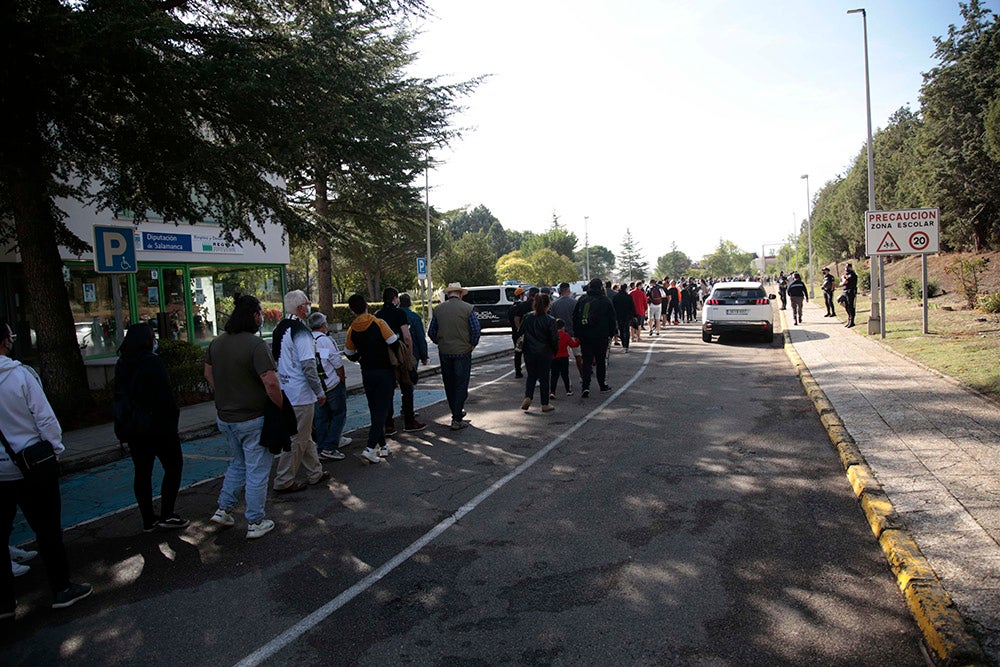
column 560, row 362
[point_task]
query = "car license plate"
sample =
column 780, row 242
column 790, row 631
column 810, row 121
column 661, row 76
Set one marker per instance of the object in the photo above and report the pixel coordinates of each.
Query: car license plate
column 737, row 311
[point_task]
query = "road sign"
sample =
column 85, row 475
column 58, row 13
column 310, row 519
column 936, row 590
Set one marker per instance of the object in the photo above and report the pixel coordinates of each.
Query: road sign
column 114, row 249
column 421, row 268
column 907, row 232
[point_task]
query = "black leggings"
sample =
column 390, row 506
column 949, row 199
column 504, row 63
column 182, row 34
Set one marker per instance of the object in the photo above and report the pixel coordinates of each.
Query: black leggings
column 168, row 450
column 42, row 507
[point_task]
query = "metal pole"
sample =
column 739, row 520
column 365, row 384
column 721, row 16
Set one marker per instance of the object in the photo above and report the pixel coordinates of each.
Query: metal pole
column 427, row 207
column 923, row 272
column 875, row 323
column 586, row 248
column 116, row 297
column 809, row 228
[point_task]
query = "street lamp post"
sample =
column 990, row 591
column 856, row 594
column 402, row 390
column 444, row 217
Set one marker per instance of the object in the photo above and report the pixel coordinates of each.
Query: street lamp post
column 875, row 324
column 809, row 233
column 586, row 249
column 427, row 208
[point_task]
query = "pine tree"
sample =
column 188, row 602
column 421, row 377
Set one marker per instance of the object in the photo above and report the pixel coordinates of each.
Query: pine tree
column 631, row 261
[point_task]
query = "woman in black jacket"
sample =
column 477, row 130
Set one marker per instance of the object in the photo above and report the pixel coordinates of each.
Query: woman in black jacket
column 146, row 418
column 541, row 341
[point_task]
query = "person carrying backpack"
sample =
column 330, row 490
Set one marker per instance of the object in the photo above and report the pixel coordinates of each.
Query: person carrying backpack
column 594, row 324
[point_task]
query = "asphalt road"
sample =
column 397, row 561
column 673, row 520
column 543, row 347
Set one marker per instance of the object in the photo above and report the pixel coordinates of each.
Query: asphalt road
column 696, row 515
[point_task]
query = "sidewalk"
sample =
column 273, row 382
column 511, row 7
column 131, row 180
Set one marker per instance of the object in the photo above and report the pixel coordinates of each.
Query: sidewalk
column 97, row 445
column 933, row 450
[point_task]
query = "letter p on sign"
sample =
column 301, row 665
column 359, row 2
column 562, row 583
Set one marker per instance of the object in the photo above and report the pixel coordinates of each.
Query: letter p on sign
column 114, row 249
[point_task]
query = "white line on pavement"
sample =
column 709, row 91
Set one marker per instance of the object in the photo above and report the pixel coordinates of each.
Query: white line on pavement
column 271, row 648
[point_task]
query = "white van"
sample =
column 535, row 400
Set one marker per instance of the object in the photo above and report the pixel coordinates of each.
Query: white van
column 492, row 303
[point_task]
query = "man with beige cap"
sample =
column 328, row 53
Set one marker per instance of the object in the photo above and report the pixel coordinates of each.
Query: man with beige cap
column 455, row 329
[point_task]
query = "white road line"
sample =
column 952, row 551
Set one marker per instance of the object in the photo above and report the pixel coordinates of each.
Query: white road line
column 271, row 648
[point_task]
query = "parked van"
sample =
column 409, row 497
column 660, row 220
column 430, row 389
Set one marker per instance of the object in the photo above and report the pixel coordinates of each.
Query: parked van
column 492, row 303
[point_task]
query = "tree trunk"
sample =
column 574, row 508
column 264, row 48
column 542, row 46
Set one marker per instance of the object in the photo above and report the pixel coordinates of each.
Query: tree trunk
column 63, row 374
column 324, row 274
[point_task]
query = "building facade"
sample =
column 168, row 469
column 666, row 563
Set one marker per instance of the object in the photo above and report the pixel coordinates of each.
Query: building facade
column 183, row 284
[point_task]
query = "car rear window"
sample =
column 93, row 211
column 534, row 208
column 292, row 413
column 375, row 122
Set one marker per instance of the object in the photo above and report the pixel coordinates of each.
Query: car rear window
column 741, row 293
column 482, row 297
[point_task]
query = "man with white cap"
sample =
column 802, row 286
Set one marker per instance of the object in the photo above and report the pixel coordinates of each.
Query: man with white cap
column 455, row 329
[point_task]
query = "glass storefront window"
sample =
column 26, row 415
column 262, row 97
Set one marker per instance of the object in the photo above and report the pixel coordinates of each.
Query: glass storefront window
column 93, row 308
column 212, row 290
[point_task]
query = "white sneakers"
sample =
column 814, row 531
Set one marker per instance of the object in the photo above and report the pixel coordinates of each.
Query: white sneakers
column 345, row 441
column 370, row 455
column 223, row 518
column 254, row 530
column 17, row 558
column 20, row 555
column 259, row 529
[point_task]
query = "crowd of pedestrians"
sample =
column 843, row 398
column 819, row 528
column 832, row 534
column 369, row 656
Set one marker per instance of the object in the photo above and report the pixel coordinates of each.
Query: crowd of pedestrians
column 295, row 388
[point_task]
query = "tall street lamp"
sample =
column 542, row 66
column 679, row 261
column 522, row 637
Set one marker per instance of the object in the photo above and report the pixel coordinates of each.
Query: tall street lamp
column 427, row 208
column 809, row 229
column 586, row 248
column 874, row 320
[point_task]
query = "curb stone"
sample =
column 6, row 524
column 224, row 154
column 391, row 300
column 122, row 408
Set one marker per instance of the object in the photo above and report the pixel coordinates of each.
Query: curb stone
column 942, row 626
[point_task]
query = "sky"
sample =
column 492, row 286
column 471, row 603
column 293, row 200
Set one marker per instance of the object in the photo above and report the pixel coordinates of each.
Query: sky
column 685, row 122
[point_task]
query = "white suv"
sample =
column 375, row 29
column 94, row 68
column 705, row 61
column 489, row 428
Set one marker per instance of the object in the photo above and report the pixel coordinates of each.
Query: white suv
column 737, row 306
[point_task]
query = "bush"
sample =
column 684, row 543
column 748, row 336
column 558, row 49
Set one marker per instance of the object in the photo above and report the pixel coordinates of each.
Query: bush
column 864, row 280
column 966, row 270
column 990, row 303
column 185, row 364
column 910, row 287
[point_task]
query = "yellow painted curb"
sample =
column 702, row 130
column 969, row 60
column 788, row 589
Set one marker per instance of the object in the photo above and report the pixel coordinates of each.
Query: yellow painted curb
column 943, row 628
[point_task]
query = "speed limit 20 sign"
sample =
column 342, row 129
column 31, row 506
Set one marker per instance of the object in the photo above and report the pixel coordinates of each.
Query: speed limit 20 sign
column 908, row 232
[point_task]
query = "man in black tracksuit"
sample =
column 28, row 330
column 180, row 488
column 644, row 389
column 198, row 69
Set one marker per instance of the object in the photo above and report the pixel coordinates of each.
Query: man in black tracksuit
column 594, row 324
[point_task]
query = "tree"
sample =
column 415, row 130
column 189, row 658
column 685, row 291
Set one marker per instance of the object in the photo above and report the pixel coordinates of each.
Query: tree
column 675, row 263
column 360, row 132
column 550, row 268
column 556, row 239
column 958, row 172
column 728, row 260
column 631, row 263
column 514, row 266
column 602, row 262
column 189, row 110
column 460, row 221
column 469, row 260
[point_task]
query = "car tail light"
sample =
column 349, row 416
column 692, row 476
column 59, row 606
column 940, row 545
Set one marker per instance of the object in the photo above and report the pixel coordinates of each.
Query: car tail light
column 712, row 302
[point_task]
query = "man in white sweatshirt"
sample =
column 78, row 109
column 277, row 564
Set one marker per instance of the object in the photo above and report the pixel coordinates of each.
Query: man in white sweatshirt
column 27, row 418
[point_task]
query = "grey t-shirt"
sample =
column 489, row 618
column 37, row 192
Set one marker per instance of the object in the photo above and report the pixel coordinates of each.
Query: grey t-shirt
column 238, row 361
column 562, row 309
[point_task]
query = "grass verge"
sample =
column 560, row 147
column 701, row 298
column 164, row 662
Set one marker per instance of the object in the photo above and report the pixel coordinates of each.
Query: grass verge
column 964, row 344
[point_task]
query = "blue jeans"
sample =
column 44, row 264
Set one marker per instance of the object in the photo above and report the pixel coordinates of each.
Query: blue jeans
column 455, row 371
column 379, row 384
column 249, row 468
column 329, row 418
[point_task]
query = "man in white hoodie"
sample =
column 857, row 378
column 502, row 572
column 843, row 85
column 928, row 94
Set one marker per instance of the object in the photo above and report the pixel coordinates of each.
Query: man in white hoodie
column 27, row 418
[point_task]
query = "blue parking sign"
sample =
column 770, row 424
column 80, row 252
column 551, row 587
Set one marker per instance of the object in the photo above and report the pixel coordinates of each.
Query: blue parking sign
column 114, row 249
column 421, row 268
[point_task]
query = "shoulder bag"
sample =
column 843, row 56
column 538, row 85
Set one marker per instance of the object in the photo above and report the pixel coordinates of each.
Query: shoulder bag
column 36, row 462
